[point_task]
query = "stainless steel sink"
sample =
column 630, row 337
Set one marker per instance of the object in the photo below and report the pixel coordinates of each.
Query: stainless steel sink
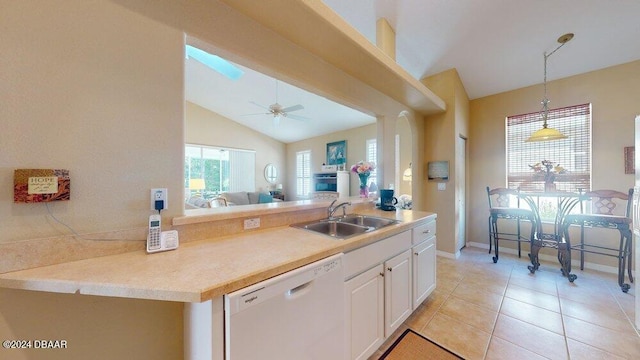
column 346, row 226
column 366, row 220
column 337, row 229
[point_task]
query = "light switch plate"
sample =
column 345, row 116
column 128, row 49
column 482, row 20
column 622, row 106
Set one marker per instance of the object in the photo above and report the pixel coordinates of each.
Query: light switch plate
column 442, row 186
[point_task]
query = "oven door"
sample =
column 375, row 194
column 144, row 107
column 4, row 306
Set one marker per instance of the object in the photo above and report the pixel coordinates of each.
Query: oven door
column 326, row 186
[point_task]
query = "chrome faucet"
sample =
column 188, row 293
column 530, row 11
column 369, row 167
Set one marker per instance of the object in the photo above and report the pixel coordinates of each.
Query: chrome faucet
column 332, row 209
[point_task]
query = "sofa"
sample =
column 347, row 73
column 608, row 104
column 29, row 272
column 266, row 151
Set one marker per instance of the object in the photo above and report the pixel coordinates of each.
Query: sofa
column 247, row 198
column 197, row 202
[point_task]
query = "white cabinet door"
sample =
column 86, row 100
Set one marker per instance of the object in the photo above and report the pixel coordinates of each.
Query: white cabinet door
column 397, row 285
column 342, row 184
column 424, row 271
column 364, row 297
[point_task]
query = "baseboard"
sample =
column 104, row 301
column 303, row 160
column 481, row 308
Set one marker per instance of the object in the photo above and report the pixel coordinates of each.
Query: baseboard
column 575, row 264
column 448, row 255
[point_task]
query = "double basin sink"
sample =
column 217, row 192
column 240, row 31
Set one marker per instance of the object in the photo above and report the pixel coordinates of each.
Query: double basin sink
column 346, row 226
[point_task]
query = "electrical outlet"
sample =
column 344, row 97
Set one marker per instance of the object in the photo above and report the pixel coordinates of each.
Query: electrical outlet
column 159, row 194
column 251, row 223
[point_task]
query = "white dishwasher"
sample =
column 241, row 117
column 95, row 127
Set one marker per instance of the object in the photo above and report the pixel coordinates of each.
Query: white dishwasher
column 296, row 315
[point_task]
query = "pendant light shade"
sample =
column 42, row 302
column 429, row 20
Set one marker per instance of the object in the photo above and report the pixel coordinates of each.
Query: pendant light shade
column 547, row 133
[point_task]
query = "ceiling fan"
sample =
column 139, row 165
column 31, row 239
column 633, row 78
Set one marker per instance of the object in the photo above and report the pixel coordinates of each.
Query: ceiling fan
column 278, row 111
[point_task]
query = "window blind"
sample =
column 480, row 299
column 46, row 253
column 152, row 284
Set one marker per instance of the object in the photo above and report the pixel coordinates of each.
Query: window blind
column 573, row 154
column 222, row 169
column 303, row 173
column 372, row 157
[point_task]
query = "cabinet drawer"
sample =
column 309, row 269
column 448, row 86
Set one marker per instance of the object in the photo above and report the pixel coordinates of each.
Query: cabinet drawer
column 361, row 259
column 423, row 232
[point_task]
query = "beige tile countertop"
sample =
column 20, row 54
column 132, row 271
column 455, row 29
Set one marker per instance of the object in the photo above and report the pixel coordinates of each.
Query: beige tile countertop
column 201, row 270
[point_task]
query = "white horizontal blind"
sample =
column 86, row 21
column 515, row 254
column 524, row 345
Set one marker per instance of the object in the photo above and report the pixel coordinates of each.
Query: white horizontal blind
column 222, row 169
column 372, row 157
column 573, row 153
column 303, row 173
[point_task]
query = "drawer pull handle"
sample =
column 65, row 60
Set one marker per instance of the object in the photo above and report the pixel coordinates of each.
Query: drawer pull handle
column 415, row 253
column 382, row 274
column 390, row 269
column 426, row 231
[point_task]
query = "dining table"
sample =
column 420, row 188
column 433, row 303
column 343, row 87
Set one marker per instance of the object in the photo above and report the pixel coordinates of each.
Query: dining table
column 549, row 220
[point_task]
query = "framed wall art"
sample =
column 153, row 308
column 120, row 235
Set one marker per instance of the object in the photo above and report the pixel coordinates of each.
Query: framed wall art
column 630, row 160
column 337, row 153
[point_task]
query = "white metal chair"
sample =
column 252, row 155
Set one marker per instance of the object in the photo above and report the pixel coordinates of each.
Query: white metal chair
column 500, row 208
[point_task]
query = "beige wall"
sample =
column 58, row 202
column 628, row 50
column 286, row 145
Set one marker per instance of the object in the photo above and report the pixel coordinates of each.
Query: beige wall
column 613, row 93
column 205, row 127
column 94, row 88
column 101, row 100
column 441, row 133
column 356, row 150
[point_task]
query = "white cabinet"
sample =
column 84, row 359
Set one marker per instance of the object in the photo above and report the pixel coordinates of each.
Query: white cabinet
column 424, row 262
column 364, row 297
column 424, row 271
column 342, row 184
column 377, row 293
column 384, row 282
column 397, row 291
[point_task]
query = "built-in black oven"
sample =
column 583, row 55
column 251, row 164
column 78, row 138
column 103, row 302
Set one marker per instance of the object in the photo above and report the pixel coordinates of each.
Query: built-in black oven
column 325, row 181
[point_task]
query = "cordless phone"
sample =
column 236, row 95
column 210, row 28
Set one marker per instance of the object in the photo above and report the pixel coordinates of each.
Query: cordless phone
column 158, row 240
column 153, row 237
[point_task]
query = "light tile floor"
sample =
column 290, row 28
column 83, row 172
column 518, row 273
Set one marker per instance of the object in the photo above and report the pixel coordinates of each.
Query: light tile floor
column 482, row 310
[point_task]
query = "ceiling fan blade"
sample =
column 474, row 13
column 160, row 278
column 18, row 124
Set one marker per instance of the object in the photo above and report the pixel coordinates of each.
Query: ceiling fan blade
column 258, row 105
column 262, row 113
column 298, row 117
column 293, row 108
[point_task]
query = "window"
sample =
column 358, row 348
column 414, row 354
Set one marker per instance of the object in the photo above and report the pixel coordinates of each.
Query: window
column 223, row 170
column 303, row 173
column 372, row 157
column 573, row 154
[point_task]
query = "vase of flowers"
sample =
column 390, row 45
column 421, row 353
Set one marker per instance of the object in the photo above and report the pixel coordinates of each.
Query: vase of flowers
column 548, row 170
column 363, row 169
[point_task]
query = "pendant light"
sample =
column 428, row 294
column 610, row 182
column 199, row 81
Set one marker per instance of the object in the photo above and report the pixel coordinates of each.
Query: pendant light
column 547, row 133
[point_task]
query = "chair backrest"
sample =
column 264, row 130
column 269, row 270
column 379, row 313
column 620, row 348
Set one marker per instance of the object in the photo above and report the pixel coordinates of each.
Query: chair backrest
column 218, row 202
column 604, row 202
column 324, row 195
column 501, row 197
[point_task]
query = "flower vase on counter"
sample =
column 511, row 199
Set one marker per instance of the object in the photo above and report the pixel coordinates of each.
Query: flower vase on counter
column 364, row 189
column 363, row 169
column 548, row 171
column 549, row 186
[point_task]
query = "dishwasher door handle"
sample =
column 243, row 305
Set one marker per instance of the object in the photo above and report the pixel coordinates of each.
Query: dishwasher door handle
column 298, row 291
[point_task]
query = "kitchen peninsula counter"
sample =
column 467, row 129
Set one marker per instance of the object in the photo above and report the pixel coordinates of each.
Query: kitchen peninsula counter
column 201, row 270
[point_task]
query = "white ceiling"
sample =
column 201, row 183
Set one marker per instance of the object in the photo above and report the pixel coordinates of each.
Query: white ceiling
column 233, row 100
column 495, row 45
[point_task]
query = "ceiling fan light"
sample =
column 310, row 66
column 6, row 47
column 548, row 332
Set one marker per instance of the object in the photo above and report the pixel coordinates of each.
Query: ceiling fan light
column 545, row 134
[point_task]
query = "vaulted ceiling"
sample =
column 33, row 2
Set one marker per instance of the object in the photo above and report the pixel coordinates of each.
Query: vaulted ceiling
column 495, row 45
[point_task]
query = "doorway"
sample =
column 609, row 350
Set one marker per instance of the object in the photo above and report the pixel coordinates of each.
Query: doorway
column 461, row 164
